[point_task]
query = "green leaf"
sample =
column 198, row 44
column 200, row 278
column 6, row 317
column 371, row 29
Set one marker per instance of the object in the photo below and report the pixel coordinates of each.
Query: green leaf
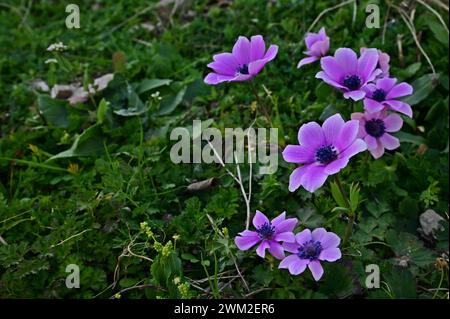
column 439, row 32
column 337, row 195
column 169, row 104
column 54, row 111
column 410, row 70
column 410, row 138
column 134, row 106
column 354, row 197
column 147, row 85
column 88, row 143
column 423, row 86
column 102, row 110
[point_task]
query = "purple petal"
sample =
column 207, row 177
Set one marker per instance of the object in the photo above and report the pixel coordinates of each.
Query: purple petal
column 376, row 73
column 316, row 269
column 271, row 52
column 371, row 142
column 303, row 236
column 312, row 38
column 227, row 59
column 295, row 180
column 378, row 151
column 240, row 78
column 347, row 60
column 246, row 242
column 332, row 69
column 221, row 68
column 241, row 50
column 356, row 147
column 296, row 268
column 330, row 240
column 318, row 233
column 400, row 107
column 256, row 66
column 276, row 250
column 287, row 225
column 367, row 63
column 330, row 254
column 389, row 142
column 213, row 78
column 393, row 123
column 298, row 154
column 372, row 106
column 286, row 262
column 277, row 220
column 332, row 128
column 288, row 237
column 261, row 249
column 307, row 60
column 311, row 135
column 355, row 95
column 295, row 265
column 260, row 219
column 257, row 47
column 320, row 48
column 347, row 135
column 401, row 89
column 291, row 247
column 336, row 165
column 386, row 84
column 314, row 177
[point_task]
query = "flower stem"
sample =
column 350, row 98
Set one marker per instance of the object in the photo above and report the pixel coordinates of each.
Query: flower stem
column 258, row 100
column 351, row 214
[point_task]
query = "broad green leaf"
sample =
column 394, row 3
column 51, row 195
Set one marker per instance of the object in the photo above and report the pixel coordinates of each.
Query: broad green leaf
column 423, row 86
column 147, row 84
column 410, row 138
column 54, row 111
column 88, row 143
column 169, row 104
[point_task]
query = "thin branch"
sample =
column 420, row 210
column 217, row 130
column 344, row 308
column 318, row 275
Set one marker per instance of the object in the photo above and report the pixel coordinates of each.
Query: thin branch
column 3, row 241
column 411, row 28
column 326, row 11
column 71, row 237
column 435, row 13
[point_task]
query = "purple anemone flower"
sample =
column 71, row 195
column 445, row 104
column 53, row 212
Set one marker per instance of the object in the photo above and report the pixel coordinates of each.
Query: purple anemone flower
column 349, row 74
column 374, row 128
column 383, row 94
column 317, row 44
column 309, row 249
column 323, row 151
column 268, row 235
column 246, row 61
column 383, row 62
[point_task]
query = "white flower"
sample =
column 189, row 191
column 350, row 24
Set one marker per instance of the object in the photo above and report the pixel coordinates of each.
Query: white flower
column 59, row 47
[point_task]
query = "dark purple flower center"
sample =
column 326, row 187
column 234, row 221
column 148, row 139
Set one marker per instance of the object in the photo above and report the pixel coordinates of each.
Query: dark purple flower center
column 310, row 250
column 375, row 127
column 352, row 82
column 243, row 69
column 379, row 95
column 326, row 154
column 266, row 231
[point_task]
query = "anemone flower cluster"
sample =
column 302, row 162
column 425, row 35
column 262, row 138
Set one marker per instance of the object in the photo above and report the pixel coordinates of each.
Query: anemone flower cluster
column 307, row 249
column 322, row 150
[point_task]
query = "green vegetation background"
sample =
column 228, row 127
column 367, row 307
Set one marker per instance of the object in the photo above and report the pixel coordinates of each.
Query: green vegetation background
column 86, row 206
